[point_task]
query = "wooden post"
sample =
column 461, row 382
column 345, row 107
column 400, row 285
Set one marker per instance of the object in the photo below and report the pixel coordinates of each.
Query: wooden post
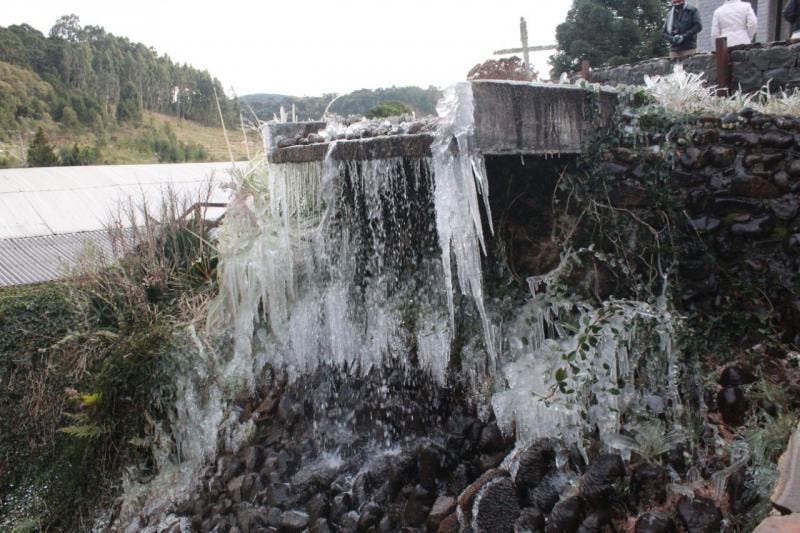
column 723, row 66
column 585, row 69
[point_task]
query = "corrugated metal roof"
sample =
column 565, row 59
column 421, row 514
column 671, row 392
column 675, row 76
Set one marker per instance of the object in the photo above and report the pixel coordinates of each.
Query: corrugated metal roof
column 49, row 215
column 30, row 260
column 55, row 200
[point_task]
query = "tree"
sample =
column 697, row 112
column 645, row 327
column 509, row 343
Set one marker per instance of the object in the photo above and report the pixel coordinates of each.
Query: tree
column 128, row 108
column 507, row 68
column 609, row 32
column 388, row 109
column 41, row 152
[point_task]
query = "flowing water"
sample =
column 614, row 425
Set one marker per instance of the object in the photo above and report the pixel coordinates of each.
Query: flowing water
column 364, row 265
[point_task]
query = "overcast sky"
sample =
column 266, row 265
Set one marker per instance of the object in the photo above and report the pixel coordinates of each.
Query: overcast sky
column 310, row 47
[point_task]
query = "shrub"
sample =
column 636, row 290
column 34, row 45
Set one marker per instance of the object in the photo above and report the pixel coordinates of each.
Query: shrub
column 507, row 68
column 41, row 152
column 388, row 109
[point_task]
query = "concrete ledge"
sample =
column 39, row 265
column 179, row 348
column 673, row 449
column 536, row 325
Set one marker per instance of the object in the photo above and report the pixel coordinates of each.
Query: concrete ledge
column 274, row 133
column 417, row 145
column 531, row 118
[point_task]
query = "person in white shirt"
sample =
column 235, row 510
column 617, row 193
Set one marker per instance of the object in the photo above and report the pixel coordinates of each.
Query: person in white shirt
column 735, row 20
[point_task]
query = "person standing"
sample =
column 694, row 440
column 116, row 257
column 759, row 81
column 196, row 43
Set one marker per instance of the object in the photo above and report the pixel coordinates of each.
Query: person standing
column 735, row 20
column 681, row 29
column 792, row 15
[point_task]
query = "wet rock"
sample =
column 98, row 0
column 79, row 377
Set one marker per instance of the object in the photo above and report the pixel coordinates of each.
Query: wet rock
column 467, row 497
column 530, row 520
column 370, row 516
column 535, row 464
column 736, row 375
column 758, row 227
column 290, row 409
column 280, row 494
column 740, row 497
column 342, row 503
column 691, row 158
column 285, row 142
column 786, row 207
column 442, row 507
column 349, row 522
column 655, row 522
column 614, row 169
column 318, row 507
column 705, row 136
column 228, row 467
column 699, row 515
column 253, row 457
column 739, row 138
column 772, row 159
column 449, row 524
column 732, row 405
column 721, row 156
column 491, row 438
column 595, row 522
column 705, row 224
column 649, row 485
column 782, row 181
column 751, row 160
column 496, row 507
column 315, row 138
column 274, row 516
column 428, row 463
column 320, row 526
column 597, row 484
column 777, row 139
column 567, row 515
column 753, row 187
column 793, row 243
column 545, row 496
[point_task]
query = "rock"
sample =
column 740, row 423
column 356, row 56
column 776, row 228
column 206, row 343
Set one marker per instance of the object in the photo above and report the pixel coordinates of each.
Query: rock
column 320, row 526
column 253, row 458
column 739, row 139
column 614, row 169
column 442, row 507
column 318, row 507
column 280, row 494
column 342, row 503
column 655, row 522
column 449, row 524
column 794, row 168
column 315, row 138
column 370, row 516
column 753, row 187
column 546, row 495
column 349, row 522
column 496, row 507
column 228, row 467
column 782, row 181
column 756, row 228
column 732, row 405
column 530, row 519
column 649, row 485
column 535, row 464
column 699, row 515
column 705, row 224
column 274, row 516
column 491, row 438
column 625, row 155
column 234, row 488
column 289, row 409
column 779, row 524
column 786, row 495
column 735, row 375
column 740, row 498
column 721, row 156
column 595, row 522
column 597, row 484
column 466, row 498
column 705, row 136
column 793, row 243
column 751, row 160
column 428, row 463
column 785, row 207
column 691, row 158
column 777, row 139
column 567, row 515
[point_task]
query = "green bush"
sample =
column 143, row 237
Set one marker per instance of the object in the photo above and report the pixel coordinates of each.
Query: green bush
column 167, row 148
column 78, row 156
column 388, row 109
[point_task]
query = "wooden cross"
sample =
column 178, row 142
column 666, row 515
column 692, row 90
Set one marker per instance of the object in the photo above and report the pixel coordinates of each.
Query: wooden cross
column 523, row 37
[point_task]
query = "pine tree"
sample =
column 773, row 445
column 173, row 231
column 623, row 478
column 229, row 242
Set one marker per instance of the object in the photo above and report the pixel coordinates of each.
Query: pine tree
column 41, row 152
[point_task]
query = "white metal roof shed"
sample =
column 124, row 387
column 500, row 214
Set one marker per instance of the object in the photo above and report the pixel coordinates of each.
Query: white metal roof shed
column 57, row 200
column 48, row 215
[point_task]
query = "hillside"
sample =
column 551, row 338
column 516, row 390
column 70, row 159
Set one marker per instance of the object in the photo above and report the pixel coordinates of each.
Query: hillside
column 107, row 99
column 265, row 106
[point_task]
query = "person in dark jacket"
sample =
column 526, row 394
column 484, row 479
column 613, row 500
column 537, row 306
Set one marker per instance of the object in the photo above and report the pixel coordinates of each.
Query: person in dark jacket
column 792, row 15
column 681, row 29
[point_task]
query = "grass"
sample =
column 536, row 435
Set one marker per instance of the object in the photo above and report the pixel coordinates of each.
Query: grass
column 117, row 144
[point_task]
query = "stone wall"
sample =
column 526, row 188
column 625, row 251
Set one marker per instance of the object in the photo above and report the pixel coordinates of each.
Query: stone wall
column 735, row 182
column 751, row 68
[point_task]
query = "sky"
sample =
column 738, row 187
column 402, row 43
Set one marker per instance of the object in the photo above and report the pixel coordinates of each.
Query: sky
column 310, row 47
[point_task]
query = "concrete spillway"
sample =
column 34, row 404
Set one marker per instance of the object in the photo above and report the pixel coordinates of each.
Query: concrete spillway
column 510, row 118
